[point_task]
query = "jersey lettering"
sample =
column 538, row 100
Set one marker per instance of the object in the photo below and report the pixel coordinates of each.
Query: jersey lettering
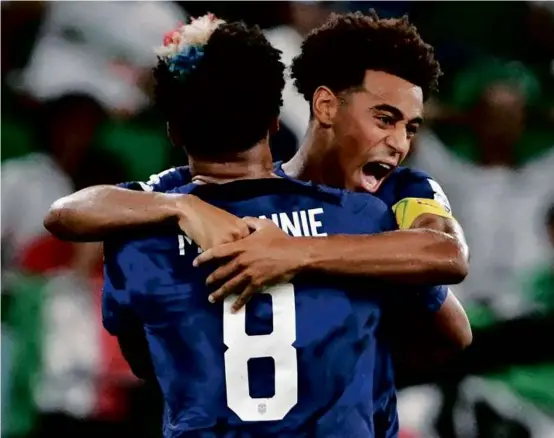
column 277, row 345
column 185, row 242
column 299, row 223
column 256, row 388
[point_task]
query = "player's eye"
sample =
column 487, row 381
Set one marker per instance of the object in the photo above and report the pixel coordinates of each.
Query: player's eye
column 386, row 120
column 411, row 131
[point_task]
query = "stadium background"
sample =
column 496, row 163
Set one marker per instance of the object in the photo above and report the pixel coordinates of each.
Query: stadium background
column 76, row 111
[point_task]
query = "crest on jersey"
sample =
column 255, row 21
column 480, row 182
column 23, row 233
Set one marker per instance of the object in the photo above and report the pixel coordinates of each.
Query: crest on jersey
column 439, row 195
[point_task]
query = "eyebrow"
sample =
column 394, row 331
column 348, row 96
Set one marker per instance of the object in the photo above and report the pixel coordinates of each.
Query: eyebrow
column 396, row 112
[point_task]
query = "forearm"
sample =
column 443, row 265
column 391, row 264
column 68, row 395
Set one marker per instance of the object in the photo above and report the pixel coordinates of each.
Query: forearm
column 416, row 256
column 94, row 213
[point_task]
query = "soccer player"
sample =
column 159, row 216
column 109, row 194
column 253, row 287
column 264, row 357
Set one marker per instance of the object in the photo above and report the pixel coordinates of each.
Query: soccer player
column 366, row 79
column 386, row 53
column 299, row 365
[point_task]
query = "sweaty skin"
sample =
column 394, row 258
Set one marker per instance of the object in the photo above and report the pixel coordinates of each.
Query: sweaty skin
column 407, row 256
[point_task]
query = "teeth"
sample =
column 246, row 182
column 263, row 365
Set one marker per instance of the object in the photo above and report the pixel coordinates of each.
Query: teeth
column 385, row 166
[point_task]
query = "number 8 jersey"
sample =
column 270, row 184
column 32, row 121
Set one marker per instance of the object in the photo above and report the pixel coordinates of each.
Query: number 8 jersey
column 297, row 361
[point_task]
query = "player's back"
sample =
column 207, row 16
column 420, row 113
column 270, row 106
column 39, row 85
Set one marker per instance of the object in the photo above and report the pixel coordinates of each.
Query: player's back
column 297, row 362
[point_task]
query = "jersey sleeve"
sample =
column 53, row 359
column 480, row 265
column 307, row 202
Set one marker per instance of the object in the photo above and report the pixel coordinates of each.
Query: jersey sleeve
column 120, row 321
column 416, row 299
column 417, row 194
column 162, row 182
column 431, row 299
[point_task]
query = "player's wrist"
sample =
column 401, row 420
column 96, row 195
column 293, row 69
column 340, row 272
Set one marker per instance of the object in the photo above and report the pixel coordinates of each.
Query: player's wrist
column 178, row 207
column 307, row 250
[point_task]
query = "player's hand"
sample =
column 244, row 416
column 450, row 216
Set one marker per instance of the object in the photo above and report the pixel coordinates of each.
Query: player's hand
column 209, row 226
column 267, row 257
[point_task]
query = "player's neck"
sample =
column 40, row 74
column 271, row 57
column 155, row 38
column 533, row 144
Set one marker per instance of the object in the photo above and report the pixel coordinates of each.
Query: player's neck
column 308, row 164
column 255, row 163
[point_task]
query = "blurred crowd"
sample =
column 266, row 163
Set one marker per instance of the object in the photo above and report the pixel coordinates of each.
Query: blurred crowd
column 77, row 111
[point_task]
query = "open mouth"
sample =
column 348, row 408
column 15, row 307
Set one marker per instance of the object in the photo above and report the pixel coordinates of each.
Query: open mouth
column 374, row 173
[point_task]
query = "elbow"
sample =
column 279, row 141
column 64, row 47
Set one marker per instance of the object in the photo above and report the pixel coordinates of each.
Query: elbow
column 452, row 260
column 446, row 248
column 467, row 340
column 456, row 338
column 58, row 219
column 463, row 339
column 459, row 264
column 453, row 321
column 52, row 219
column 455, row 344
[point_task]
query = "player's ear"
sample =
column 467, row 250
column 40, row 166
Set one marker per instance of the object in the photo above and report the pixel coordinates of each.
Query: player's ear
column 324, row 106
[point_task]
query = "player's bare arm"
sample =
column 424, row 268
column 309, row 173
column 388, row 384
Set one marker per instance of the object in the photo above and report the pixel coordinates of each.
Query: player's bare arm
column 100, row 212
column 269, row 256
column 414, row 256
column 450, row 321
column 446, row 225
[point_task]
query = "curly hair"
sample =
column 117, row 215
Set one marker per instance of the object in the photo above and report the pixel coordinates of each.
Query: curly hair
column 338, row 53
column 228, row 102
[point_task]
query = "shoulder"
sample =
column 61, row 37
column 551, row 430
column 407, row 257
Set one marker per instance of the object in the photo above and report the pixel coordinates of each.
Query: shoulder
column 412, row 192
column 407, row 179
column 373, row 210
column 164, row 181
column 360, row 201
column 406, row 182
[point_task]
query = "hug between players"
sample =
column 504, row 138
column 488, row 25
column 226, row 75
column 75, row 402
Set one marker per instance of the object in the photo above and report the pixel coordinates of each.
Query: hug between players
column 347, row 230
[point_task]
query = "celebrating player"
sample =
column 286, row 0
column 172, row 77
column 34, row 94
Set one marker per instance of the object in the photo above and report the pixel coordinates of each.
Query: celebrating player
column 369, row 104
column 301, row 365
column 366, row 79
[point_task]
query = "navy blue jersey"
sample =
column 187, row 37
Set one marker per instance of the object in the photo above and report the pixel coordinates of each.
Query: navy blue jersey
column 297, row 362
column 408, row 192
column 403, row 182
column 169, row 179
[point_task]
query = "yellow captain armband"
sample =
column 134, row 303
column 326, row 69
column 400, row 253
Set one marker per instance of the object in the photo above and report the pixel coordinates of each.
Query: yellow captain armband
column 409, row 209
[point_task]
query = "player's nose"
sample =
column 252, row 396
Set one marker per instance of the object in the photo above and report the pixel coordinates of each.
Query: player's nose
column 398, row 143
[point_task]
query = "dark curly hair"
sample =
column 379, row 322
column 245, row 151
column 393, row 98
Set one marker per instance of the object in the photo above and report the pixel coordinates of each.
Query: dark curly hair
column 229, row 101
column 338, row 53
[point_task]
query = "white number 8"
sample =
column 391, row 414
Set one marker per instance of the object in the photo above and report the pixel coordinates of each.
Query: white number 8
column 277, row 345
